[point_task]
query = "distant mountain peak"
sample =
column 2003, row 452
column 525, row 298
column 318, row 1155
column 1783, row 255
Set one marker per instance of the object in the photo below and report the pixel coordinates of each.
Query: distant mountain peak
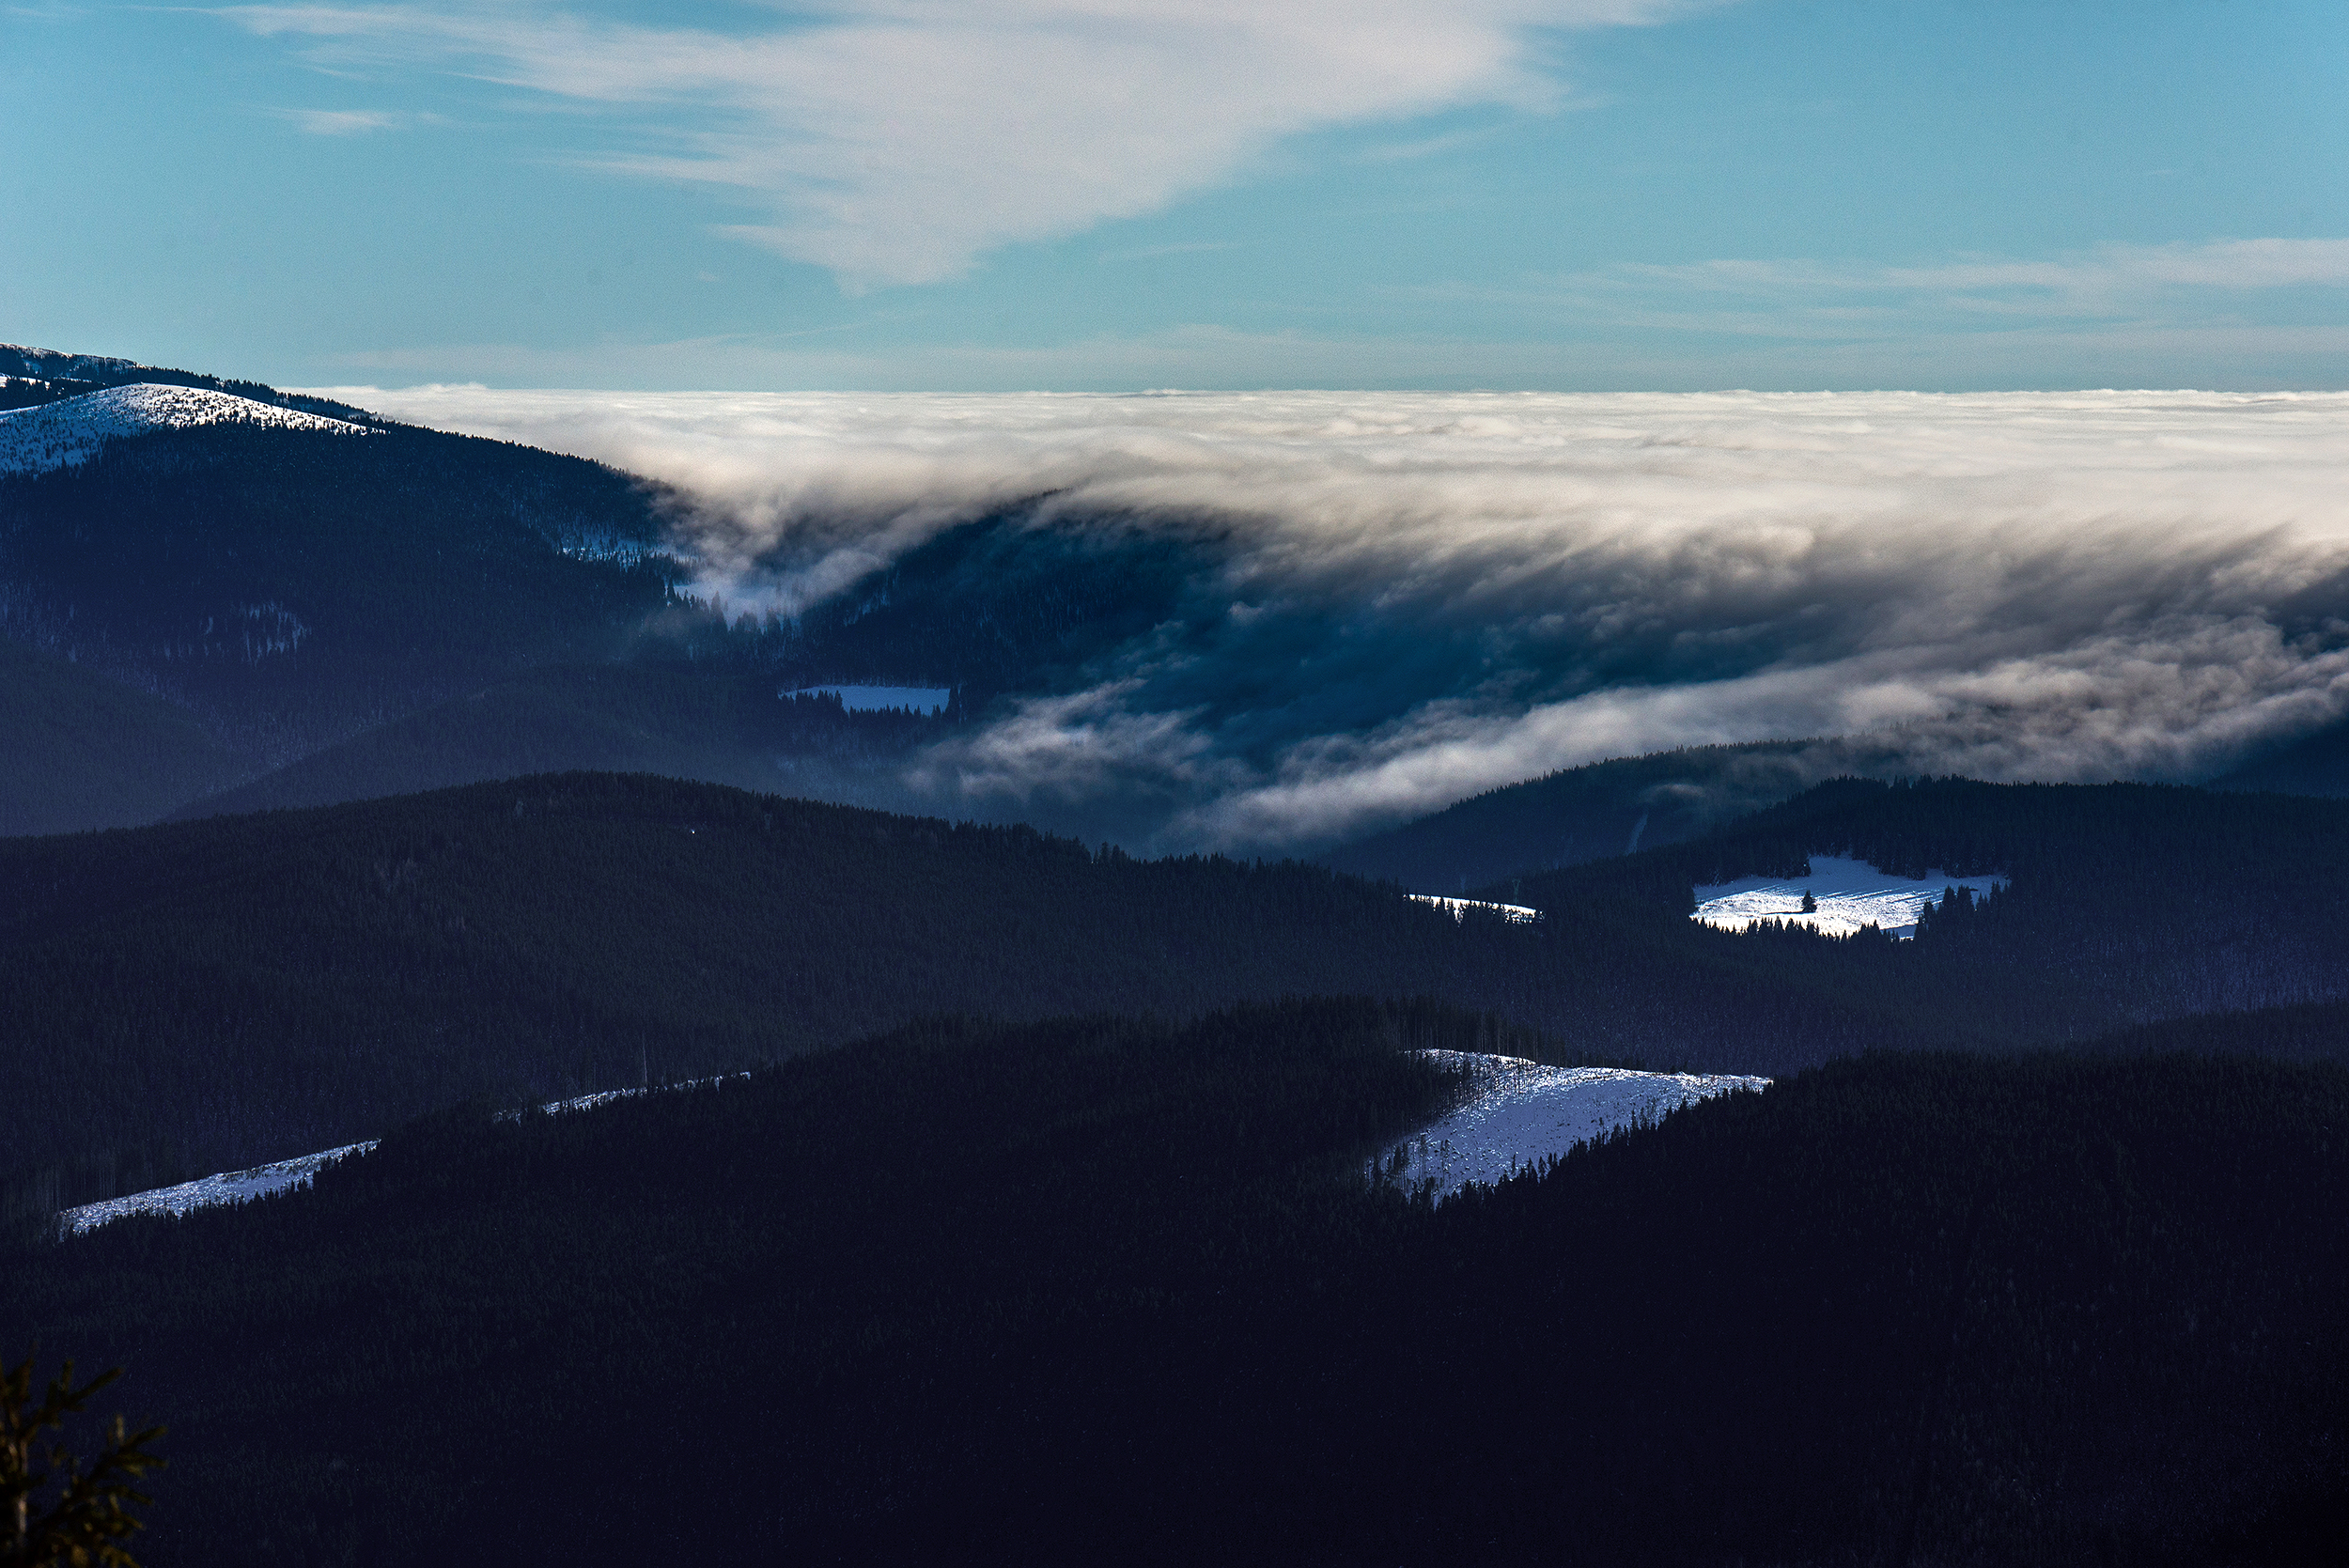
column 74, row 430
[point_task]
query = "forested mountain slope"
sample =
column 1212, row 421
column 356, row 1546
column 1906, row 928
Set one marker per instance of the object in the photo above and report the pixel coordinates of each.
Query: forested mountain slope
column 78, row 750
column 2315, row 763
column 211, row 994
column 2126, row 903
column 291, row 587
column 1103, row 1290
column 1605, row 809
column 214, row 993
column 718, row 726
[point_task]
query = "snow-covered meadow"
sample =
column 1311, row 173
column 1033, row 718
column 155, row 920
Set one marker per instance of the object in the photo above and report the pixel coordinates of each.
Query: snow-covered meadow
column 1850, row 894
column 1518, row 1113
column 243, row 1186
column 72, row 431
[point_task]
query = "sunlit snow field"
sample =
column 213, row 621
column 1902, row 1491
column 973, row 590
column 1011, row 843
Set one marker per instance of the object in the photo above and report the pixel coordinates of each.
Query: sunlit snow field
column 228, row 1187
column 71, row 431
column 243, row 1186
column 1520, row 1112
column 1850, row 893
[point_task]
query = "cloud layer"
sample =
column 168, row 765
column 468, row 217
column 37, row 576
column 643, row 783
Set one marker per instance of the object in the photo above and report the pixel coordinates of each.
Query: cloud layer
column 892, row 141
column 1417, row 597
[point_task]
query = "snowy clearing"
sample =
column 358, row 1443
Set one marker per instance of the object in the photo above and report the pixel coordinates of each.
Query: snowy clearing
column 1516, row 914
column 74, row 430
column 879, row 699
column 243, row 1186
column 1850, row 894
column 1520, row 1114
column 228, row 1186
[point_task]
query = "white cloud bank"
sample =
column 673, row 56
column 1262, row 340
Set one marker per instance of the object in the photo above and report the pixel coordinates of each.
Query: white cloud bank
column 1423, row 595
column 892, row 141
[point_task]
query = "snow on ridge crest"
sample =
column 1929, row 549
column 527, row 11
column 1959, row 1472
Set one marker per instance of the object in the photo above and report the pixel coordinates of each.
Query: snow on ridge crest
column 74, row 430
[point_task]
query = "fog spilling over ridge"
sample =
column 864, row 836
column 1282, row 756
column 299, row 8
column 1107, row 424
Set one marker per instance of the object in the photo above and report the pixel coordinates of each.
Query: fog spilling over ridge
column 1388, row 602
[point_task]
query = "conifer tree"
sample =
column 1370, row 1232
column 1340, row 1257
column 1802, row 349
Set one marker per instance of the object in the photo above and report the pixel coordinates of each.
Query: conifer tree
column 88, row 1517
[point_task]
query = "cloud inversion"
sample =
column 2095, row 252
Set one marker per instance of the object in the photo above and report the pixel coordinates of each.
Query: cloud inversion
column 1417, row 597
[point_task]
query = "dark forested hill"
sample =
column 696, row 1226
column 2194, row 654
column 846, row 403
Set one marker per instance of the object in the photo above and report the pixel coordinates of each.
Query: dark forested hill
column 213, row 993
column 2128, row 903
column 1605, row 809
column 718, row 726
column 78, row 750
column 206, row 995
column 1101, row 1290
column 290, row 588
column 2316, row 764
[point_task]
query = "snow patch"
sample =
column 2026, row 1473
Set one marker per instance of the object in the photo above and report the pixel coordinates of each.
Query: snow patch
column 72, row 431
column 1516, row 914
column 1519, row 1113
column 243, row 1186
column 228, row 1186
column 880, row 699
column 1850, row 894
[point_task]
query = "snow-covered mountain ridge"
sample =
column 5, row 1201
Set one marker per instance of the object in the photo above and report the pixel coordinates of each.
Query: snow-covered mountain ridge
column 71, row 431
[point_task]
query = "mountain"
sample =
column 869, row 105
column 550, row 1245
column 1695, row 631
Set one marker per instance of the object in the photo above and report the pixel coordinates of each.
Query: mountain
column 31, row 376
column 382, row 608
column 1110, row 1290
column 2316, row 764
column 86, row 752
column 212, row 994
column 715, row 725
column 2126, row 903
column 71, row 431
column 288, row 582
column 1604, row 809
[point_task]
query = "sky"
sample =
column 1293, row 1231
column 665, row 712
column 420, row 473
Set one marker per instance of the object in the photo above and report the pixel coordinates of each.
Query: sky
column 1111, row 195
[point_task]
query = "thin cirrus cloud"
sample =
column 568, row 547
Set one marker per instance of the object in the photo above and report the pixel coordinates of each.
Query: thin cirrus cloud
column 894, row 141
column 1413, row 597
column 1799, row 297
column 342, row 122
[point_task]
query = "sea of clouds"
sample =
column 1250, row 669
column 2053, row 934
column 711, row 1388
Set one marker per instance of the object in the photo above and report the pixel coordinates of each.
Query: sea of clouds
column 1416, row 597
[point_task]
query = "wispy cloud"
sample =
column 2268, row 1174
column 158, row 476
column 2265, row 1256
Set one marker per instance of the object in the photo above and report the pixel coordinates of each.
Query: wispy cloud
column 2170, row 284
column 341, row 122
column 894, row 141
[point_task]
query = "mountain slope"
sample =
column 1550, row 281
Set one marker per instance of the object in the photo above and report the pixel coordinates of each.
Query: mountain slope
column 72, row 431
column 293, row 587
column 1101, row 1290
column 712, row 725
column 2317, row 764
column 1604, row 809
column 78, row 751
column 2126, row 903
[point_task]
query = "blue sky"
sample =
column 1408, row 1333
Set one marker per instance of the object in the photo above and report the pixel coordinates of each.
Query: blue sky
column 1572, row 195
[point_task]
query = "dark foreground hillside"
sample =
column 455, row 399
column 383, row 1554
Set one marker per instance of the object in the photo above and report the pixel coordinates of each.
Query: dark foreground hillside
column 1103, row 1290
column 207, row 995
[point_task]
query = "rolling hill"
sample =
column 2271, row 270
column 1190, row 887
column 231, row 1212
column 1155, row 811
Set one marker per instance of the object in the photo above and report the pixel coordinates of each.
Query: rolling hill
column 1108, row 1290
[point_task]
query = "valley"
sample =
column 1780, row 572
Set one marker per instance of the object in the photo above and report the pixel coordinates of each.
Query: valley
column 882, row 1048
